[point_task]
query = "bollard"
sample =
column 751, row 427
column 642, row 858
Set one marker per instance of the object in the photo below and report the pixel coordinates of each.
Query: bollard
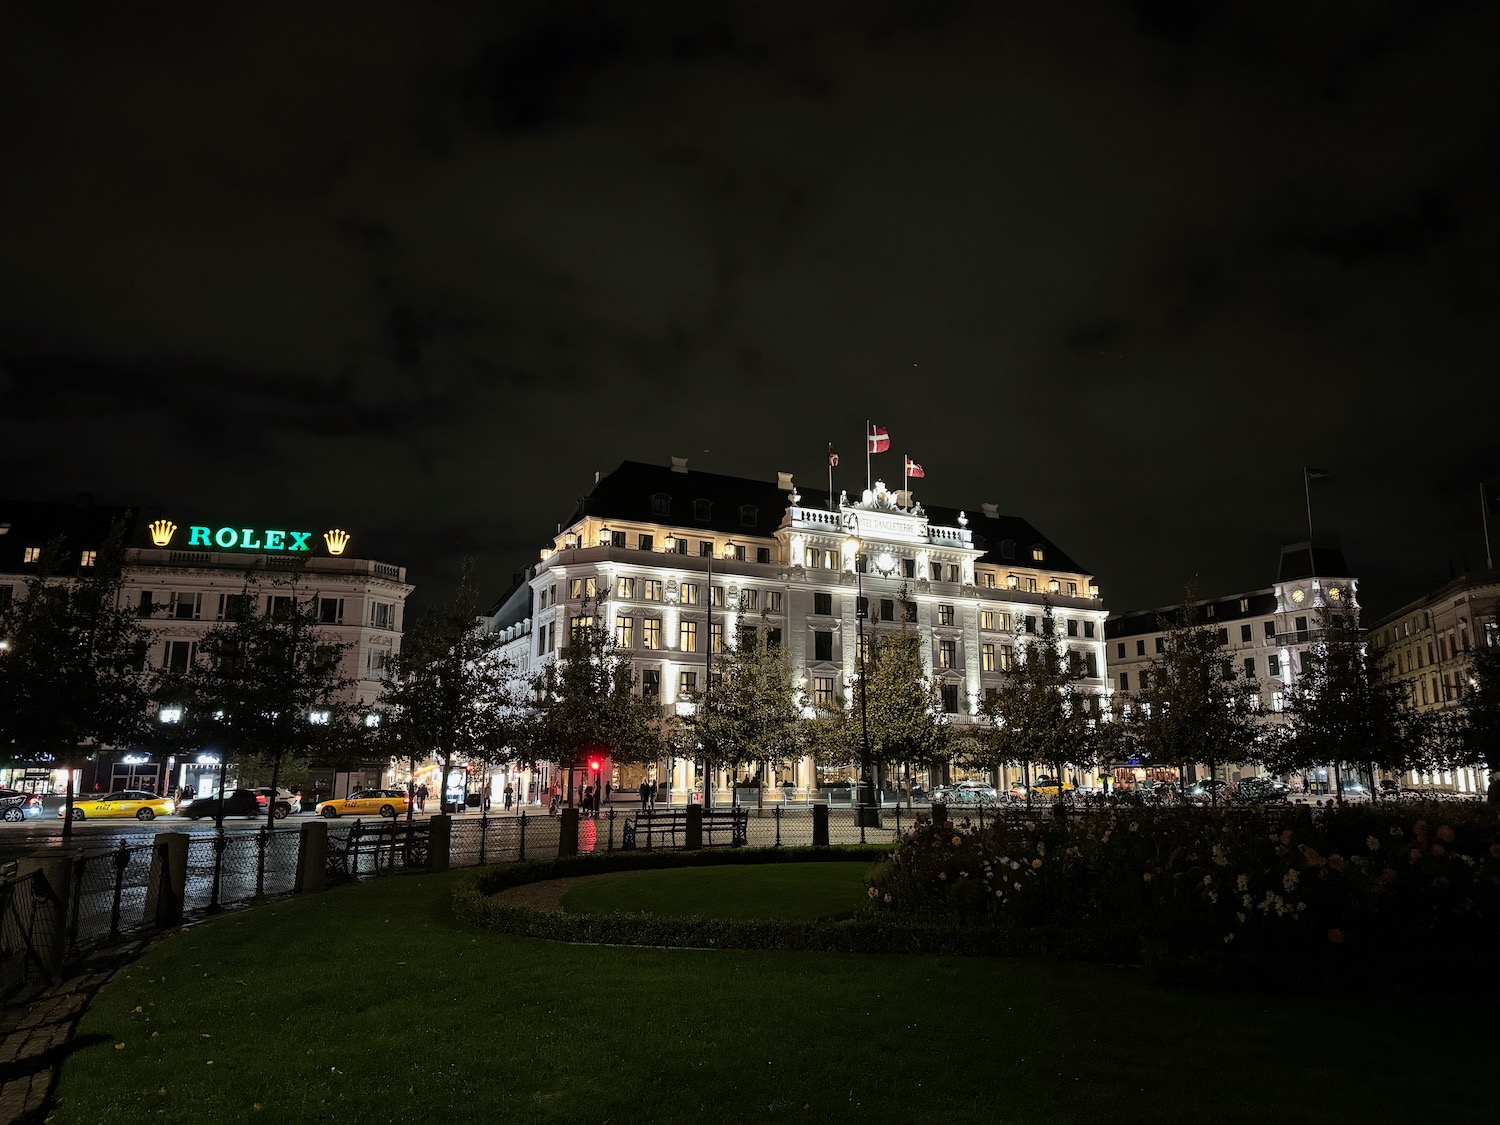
column 439, row 843
column 567, row 834
column 820, row 824
column 693, row 838
column 167, row 886
column 49, row 931
column 312, row 858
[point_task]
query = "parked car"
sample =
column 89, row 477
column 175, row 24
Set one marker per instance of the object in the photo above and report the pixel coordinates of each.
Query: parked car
column 1209, row 789
column 284, row 801
column 1050, row 787
column 126, row 803
column 965, row 793
column 16, row 806
column 385, row 802
column 237, row 802
column 1258, row 791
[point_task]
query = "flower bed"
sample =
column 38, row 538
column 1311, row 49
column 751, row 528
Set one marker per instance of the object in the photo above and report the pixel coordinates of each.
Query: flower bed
column 1275, row 889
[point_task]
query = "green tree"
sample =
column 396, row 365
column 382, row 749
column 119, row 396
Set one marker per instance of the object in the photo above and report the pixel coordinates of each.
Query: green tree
column 1194, row 707
column 72, row 667
column 749, row 710
column 1476, row 738
column 266, row 686
column 1038, row 714
column 1339, row 712
column 584, row 703
column 902, row 705
column 450, row 693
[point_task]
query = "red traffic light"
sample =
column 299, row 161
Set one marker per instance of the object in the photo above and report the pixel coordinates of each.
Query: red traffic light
column 594, row 764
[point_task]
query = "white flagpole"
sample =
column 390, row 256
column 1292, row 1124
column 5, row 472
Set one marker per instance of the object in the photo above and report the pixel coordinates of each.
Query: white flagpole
column 831, row 507
column 1484, row 514
column 1307, row 494
column 868, row 442
column 905, row 463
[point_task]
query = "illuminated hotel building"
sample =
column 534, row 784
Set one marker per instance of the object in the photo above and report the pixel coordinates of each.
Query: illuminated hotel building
column 660, row 550
column 1265, row 632
column 1428, row 646
column 182, row 574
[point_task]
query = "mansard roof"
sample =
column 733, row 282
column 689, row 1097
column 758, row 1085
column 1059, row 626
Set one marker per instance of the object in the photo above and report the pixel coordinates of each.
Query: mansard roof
column 80, row 526
column 627, row 494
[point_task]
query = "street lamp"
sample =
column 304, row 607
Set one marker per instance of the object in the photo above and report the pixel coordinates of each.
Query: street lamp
column 863, row 815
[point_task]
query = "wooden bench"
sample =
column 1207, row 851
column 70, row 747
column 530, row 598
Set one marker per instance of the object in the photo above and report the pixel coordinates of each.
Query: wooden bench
column 386, row 844
column 667, row 828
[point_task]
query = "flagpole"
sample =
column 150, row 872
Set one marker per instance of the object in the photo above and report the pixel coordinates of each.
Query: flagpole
column 1484, row 514
column 1307, row 495
column 868, row 443
column 830, row 477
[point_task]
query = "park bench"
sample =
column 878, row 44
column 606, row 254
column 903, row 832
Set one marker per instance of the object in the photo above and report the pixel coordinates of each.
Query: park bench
column 387, row 844
column 667, row 828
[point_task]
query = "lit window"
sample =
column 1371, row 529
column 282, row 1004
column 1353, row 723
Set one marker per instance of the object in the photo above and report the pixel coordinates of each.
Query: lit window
column 945, row 615
column 1007, row 657
column 987, row 619
column 810, row 557
column 625, row 588
column 1031, row 585
column 823, row 691
column 625, row 631
column 716, row 637
column 689, row 593
column 31, row 555
column 989, row 580
column 687, row 684
column 687, row 636
column 749, row 600
column 947, row 653
column 1037, row 552
column 88, row 558
column 773, row 601
column 651, row 590
column 651, row 633
column 716, row 596
column 987, row 657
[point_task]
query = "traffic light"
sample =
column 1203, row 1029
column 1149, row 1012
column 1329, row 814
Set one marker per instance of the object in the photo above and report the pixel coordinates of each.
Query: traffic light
column 594, row 764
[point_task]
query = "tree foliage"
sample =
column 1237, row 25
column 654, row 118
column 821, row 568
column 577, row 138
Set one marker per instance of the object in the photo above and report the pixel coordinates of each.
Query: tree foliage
column 903, row 707
column 266, row 684
column 748, row 711
column 1038, row 714
column 584, row 703
column 1194, row 705
column 450, row 693
column 72, row 672
column 1340, row 712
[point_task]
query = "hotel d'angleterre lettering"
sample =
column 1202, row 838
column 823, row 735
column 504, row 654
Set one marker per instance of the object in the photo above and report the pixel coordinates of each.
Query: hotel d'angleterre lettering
column 231, row 538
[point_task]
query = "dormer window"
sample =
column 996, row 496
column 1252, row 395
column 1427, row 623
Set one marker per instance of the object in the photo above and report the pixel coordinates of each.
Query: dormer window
column 748, row 515
column 1038, row 552
column 661, row 504
column 703, row 510
column 1007, row 548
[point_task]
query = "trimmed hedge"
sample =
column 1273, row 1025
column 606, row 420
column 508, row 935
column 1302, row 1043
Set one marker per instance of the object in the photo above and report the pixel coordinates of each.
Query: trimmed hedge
column 475, row 904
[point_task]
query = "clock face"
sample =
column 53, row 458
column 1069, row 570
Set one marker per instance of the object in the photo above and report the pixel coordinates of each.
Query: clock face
column 1334, row 593
column 1297, row 596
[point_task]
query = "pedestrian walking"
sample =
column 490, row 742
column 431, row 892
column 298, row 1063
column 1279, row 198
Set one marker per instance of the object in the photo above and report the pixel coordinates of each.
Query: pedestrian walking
column 421, row 798
column 609, row 790
column 510, row 792
column 484, row 800
column 645, row 792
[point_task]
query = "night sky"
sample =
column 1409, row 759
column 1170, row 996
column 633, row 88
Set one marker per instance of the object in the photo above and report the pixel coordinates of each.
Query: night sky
column 419, row 271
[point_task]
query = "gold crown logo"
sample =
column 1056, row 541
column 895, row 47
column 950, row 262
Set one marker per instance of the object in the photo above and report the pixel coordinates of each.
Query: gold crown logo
column 337, row 540
column 162, row 531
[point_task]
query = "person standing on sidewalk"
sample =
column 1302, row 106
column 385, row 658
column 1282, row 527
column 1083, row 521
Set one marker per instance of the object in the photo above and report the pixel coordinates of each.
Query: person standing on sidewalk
column 510, row 792
column 421, row 798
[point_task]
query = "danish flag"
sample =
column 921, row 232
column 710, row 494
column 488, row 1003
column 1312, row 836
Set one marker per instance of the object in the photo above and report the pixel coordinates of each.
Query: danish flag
column 913, row 469
column 880, row 440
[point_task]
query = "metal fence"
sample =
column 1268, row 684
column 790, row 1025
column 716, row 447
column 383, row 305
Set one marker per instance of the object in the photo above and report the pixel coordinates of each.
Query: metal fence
column 27, row 918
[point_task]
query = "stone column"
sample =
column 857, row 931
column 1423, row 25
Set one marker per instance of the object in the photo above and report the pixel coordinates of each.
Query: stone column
column 167, row 885
column 312, row 858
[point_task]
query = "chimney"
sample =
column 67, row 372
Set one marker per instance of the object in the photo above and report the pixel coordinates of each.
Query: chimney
column 784, row 482
column 990, row 510
column 679, row 464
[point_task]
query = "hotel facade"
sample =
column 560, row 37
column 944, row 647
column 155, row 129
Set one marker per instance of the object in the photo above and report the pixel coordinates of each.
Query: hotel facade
column 678, row 561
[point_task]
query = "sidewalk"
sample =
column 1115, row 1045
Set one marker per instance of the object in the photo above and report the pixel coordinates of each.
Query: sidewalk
column 36, row 1035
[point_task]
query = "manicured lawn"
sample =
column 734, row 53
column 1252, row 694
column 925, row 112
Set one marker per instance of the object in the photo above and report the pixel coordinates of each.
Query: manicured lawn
column 371, row 1004
column 792, row 891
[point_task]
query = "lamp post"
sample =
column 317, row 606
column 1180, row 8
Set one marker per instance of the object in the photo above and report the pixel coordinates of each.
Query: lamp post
column 866, row 782
column 708, row 674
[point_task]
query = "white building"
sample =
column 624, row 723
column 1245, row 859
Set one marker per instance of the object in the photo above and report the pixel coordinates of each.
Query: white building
column 183, row 575
column 682, row 559
column 1265, row 632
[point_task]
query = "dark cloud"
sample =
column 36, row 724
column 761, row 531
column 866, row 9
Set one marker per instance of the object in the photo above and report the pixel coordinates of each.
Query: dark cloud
column 1123, row 270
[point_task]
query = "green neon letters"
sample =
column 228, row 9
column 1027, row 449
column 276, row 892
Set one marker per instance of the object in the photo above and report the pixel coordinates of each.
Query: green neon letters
column 249, row 539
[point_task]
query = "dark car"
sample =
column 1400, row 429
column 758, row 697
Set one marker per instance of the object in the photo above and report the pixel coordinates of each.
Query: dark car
column 237, row 802
column 16, row 806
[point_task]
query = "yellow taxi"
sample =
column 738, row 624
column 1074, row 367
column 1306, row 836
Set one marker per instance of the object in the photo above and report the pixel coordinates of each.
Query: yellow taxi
column 128, row 802
column 366, row 802
column 1050, row 787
